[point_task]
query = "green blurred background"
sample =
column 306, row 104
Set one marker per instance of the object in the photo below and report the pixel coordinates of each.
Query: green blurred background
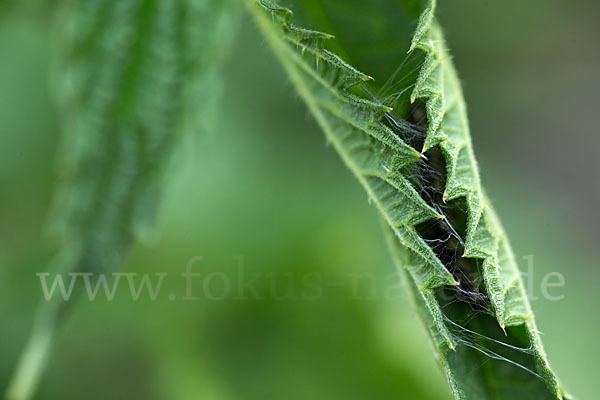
column 266, row 186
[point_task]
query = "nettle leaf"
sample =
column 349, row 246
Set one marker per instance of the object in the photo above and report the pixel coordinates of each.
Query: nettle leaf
column 133, row 77
column 407, row 141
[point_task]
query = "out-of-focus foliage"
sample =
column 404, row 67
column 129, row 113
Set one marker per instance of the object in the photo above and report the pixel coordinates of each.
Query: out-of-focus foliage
column 131, row 79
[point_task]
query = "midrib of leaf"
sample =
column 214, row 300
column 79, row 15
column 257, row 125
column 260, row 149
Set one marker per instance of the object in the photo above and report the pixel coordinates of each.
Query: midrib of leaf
column 376, row 156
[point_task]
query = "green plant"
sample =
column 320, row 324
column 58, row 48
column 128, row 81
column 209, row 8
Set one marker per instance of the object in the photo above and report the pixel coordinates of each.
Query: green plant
column 132, row 79
column 408, row 144
column 130, row 84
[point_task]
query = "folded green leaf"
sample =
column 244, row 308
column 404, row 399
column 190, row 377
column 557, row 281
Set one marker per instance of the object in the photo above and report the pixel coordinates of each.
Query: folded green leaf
column 408, row 144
